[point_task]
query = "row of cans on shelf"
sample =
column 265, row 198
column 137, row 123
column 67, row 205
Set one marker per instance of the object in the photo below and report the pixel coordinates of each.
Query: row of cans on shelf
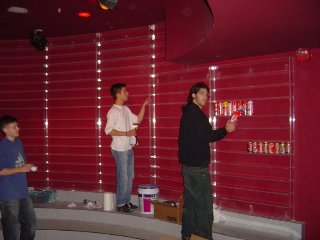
column 269, row 147
column 226, row 108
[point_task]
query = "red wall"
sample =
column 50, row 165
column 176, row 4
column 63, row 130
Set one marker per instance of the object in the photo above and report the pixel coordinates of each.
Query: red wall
column 67, row 87
column 126, row 57
column 21, row 95
column 255, row 183
column 307, row 132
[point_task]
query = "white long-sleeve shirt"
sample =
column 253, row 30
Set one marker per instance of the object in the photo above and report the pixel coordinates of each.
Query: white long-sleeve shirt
column 122, row 119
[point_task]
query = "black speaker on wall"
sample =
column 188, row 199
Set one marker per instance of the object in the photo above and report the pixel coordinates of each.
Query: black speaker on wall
column 38, row 40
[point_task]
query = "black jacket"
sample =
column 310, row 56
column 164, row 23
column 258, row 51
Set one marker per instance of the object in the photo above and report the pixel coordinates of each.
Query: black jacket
column 195, row 134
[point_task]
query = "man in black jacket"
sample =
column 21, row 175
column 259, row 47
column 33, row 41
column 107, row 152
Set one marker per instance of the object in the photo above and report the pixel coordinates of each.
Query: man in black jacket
column 195, row 134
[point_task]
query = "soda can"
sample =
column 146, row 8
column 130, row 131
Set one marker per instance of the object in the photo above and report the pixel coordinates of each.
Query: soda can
column 260, row 147
column 249, row 108
column 237, row 105
column 250, row 147
column 234, row 106
column 230, row 108
column 244, row 107
column 288, row 148
column 220, row 108
column 234, row 116
column 271, row 148
column 215, row 109
column 240, row 107
column 254, row 147
column 276, row 148
column 282, row 149
column 225, row 108
column 265, row 147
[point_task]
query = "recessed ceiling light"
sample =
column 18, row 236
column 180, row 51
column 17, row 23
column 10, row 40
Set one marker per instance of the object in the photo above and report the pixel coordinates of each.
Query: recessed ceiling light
column 15, row 9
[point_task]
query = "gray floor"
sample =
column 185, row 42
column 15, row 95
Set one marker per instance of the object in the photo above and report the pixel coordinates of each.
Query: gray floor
column 56, row 221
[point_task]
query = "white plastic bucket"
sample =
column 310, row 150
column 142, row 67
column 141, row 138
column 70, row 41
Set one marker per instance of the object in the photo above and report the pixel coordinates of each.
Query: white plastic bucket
column 147, row 193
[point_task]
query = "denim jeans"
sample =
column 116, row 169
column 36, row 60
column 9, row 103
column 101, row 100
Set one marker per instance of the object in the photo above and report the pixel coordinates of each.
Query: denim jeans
column 18, row 219
column 125, row 174
column 197, row 215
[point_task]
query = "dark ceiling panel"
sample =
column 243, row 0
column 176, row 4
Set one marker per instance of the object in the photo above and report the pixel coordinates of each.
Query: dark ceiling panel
column 59, row 17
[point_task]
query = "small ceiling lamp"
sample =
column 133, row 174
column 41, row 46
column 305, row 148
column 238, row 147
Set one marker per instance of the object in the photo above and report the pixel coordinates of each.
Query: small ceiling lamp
column 107, row 4
column 84, row 14
column 14, row 9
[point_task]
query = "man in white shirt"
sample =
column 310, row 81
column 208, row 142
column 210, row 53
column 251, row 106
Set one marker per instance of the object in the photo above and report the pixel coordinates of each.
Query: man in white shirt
column 120, row 125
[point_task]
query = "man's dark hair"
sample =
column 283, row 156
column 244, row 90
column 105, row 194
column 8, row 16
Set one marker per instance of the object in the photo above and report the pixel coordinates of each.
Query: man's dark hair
column 5, row 120
column 116, row 88
column 194, row 89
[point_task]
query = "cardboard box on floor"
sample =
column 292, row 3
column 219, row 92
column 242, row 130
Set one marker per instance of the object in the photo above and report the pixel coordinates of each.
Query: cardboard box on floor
column 169, row 238
column 195, row 237
column 167, row 211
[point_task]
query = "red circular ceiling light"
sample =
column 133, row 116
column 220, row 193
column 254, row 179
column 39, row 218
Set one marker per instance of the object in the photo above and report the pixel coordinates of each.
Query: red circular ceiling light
column 84, row 14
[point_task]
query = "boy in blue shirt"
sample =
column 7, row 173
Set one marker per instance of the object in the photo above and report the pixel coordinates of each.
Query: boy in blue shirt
column 18, row 216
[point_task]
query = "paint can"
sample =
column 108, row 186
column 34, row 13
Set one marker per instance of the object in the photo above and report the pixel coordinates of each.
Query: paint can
column 147, row 193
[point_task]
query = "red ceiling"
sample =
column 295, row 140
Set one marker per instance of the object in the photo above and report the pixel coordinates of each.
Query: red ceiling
column 60, row 17
column 241, row 28
column 205, row 30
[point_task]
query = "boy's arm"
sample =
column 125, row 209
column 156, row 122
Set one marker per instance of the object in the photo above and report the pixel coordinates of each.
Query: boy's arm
column 115, row 132
column 142, row 110
column 10, row 171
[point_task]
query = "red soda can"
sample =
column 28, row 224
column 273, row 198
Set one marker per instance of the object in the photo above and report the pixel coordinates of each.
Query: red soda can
column 240, row 107
column 250, row 147
column 271, row 147
column 260, row 147
column 215, row 109
column 234, row 106
column 276, row 148
column 234, row 116
column 254, row 147
column 244, row 107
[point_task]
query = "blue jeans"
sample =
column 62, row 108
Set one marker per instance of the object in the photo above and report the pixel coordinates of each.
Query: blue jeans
column 18, row 219
column 197, row 214
column 125, row 174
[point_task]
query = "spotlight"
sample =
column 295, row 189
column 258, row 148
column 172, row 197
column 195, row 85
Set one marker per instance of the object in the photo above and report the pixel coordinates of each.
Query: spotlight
column 38, row 40
column 107, row 4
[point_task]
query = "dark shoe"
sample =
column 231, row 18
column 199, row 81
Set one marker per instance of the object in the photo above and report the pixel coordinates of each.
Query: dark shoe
column 131, row 205
column 186, row 238
column 125, row 208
